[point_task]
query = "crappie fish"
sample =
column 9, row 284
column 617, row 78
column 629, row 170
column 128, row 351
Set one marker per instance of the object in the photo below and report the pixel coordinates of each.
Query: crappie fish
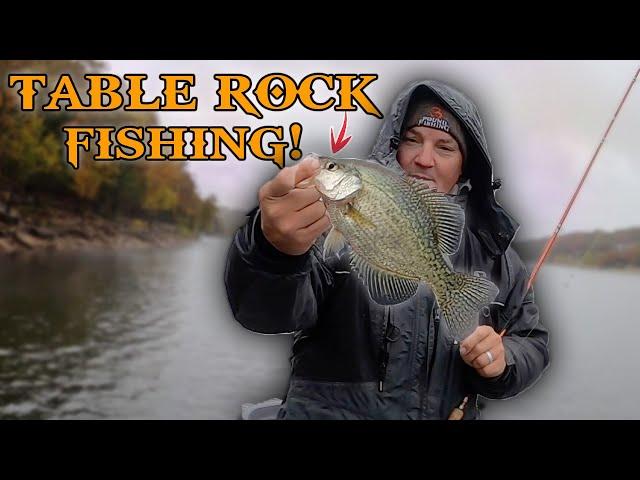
column 401, row 232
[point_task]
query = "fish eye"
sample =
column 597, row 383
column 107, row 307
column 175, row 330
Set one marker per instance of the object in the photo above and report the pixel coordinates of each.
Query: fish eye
column 331, row 166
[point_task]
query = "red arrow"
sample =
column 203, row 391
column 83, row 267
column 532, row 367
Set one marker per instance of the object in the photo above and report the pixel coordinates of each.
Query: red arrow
column 341, row 142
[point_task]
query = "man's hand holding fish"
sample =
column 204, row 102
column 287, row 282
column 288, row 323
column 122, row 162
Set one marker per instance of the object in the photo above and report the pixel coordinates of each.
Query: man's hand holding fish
column 292, row 215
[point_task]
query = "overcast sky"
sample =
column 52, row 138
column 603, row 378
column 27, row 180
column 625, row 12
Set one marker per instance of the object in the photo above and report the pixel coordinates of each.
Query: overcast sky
column 543, row 120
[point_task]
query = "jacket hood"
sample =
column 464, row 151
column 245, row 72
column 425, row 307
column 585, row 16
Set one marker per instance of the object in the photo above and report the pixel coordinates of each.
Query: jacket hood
column 493, row 225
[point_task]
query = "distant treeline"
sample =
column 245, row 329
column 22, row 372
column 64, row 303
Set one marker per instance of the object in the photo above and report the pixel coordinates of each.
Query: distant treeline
column 32, row 163
column 620, row 248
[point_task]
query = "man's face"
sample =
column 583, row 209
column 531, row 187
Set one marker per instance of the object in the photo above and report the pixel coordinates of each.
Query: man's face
column 432, row 156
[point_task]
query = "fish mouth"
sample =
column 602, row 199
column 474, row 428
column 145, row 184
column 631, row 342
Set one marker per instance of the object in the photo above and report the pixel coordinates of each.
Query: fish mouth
column 326, row 196
column 337, row 190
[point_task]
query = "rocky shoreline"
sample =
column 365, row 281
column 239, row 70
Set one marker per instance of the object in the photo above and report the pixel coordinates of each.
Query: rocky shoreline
column 53, row 229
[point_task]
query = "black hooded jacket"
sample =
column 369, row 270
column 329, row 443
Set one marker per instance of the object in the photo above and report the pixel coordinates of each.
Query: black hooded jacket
column 355, row 359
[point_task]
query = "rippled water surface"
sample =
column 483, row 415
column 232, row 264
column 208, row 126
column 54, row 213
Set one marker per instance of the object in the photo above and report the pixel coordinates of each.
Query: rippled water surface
column 148, row 334
column 144, row 334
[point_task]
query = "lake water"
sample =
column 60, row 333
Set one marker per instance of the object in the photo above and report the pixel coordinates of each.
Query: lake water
column 149, row 335
column 595, row 361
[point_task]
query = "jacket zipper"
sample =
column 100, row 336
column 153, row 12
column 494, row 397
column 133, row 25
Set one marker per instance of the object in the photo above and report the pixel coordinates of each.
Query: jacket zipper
column 384, row 351
column 431, row 356
column 415, row 336
column 424, row 385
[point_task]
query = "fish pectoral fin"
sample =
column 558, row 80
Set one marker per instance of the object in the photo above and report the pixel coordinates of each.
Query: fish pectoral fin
column 448, row 216
column 334, row 242
column 357, row 217
column 384, row 287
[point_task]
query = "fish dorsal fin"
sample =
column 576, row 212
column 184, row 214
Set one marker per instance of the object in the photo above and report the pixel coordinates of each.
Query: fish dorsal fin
column 384, row 287
column 447, row 216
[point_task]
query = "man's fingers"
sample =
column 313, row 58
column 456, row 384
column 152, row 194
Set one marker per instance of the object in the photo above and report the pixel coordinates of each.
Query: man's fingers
column 489, row 342
column 281, row 184
column 287, row 179
column 310, row 214
column 306, row 169
column 302, row 197
column 483, row 360
column 493, row 368
column 472, row 340
column 317, row 228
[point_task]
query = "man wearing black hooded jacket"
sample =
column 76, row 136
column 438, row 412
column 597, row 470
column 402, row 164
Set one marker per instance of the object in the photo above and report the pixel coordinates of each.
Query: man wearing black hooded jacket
column 353, row 358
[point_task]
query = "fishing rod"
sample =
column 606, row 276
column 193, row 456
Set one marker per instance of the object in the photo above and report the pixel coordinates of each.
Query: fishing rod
column 552, row 240
column 554, row 236
column 458, row 412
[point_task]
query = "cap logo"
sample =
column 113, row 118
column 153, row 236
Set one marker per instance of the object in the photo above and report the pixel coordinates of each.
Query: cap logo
column 436, row 112
column 433, row 122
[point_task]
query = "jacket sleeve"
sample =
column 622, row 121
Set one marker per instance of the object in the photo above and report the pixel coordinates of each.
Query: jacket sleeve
column 269, row 291
column 525, row 341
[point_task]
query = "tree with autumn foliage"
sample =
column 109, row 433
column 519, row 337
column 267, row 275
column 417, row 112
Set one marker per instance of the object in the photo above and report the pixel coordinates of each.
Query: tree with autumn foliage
column 32, row 160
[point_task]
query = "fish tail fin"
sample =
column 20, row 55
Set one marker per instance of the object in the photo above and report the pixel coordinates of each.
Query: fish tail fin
column 460, row 302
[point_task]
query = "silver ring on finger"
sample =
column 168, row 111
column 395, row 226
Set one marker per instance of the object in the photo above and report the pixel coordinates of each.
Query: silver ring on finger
column 490, row 357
